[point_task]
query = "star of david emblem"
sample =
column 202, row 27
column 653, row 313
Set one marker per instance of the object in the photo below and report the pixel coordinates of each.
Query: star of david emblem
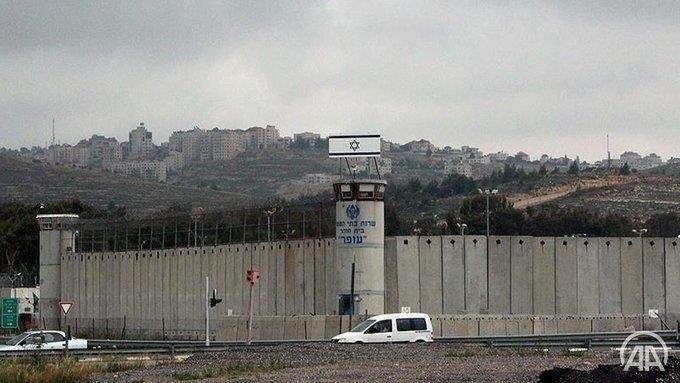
column 354, row 145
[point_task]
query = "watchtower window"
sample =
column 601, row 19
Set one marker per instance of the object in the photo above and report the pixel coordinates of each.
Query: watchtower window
column 366, row 192
column 346, row 192
column 380, row 192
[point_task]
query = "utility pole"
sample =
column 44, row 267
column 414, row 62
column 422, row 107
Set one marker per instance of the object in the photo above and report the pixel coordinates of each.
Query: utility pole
column 351, row 291
column 207, row 311
column 609, row 155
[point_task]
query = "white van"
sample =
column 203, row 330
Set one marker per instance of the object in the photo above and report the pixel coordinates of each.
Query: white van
column 390, row 328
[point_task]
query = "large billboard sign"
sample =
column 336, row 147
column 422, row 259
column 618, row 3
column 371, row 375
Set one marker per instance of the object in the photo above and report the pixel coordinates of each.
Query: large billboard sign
column 359, row 145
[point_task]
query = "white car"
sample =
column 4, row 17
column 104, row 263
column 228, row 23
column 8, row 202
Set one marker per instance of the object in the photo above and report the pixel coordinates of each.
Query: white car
column 42, row 340
column 390, row 328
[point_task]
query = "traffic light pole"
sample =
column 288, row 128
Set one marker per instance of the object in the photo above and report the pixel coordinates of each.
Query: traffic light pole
column 207, row 311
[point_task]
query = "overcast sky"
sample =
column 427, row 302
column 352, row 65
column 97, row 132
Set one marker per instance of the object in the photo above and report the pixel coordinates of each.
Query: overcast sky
column 543, row 77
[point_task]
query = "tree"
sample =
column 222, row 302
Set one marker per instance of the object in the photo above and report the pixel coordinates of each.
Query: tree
column 456, row 184
column 573, row 168
column 664, row 225
column 624, row 170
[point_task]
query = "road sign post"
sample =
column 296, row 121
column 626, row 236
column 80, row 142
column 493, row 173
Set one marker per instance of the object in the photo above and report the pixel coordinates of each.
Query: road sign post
column 207, row 311
column 65, row 307
column 10, row 313
column 252, row 276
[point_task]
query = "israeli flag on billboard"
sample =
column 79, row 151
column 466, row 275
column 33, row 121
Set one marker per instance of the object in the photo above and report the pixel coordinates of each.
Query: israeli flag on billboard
column 358, row 145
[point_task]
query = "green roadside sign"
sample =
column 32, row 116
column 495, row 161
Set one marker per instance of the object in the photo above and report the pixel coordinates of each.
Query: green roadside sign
column 10, row 313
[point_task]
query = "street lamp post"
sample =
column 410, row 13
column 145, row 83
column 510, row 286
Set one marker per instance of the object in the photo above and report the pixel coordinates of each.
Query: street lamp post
column 462, row 228
column 270, row 213
column 488, row 193
column 196, row 213
column 14, row 278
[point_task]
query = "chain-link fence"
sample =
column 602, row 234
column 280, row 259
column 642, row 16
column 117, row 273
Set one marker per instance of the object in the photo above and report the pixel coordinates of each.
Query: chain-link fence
column 207, row 228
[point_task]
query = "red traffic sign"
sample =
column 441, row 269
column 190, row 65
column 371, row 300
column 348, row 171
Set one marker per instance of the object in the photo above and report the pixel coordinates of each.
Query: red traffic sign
column 66, row 306
column 252, row 276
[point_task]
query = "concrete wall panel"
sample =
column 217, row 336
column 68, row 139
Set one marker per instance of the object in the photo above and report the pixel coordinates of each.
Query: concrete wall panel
column 588, row 276
column 230, row 280
column 85, row 285
column 281, row 275
column 256, row 263
column 181, row 290
column 430, row 259
column 155, row 286
column 240, row 269
column 476, row 273
column 543, row 276
column 220, row 280
column 521, row 275
column 631, row 276
column 566, row 276
column 125, row 283
column 290, row 278
column 319, row 277
column 610, row 275
column 135, row 293
column 407, row 272
column 271, row 280
column 391, row 282
column 672, row 246
column 331, row 267
column 654, row 280
column 299, row 296
column 102, row 276
column 146, row 285
column 499, row 275
column 453, row 271
column 97, row 294
column 193, row 267
column 170, row 286
column 308, row 272
column 116, row 272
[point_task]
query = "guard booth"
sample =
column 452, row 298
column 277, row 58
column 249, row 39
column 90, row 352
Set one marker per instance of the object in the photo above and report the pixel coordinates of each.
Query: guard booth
column 359, row 241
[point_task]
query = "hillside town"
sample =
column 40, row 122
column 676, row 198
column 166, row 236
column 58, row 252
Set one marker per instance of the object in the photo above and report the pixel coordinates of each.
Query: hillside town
column 140, row 157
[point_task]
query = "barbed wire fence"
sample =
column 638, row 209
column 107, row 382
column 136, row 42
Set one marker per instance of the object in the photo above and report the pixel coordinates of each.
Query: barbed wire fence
column 207, row 228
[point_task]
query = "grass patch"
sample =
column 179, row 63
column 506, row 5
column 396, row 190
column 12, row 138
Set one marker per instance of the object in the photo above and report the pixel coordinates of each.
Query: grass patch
column 58, row 370
column 55, row 371
column 229, row 371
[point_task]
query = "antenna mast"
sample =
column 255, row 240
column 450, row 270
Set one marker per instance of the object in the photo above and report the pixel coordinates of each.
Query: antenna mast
column 609, row 155
column 52, row 144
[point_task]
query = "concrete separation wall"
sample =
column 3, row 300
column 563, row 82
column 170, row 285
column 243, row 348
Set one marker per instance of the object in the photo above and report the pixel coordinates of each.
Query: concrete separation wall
column 320, row 327
column 439, row 275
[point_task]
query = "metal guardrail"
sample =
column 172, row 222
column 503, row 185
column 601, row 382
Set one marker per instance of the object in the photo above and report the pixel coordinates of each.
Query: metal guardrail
column 571, row 340
column 131, row 344
column 585, row 340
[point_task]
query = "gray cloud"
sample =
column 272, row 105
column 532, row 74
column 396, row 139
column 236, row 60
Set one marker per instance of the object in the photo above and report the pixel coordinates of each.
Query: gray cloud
column 536, row 76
